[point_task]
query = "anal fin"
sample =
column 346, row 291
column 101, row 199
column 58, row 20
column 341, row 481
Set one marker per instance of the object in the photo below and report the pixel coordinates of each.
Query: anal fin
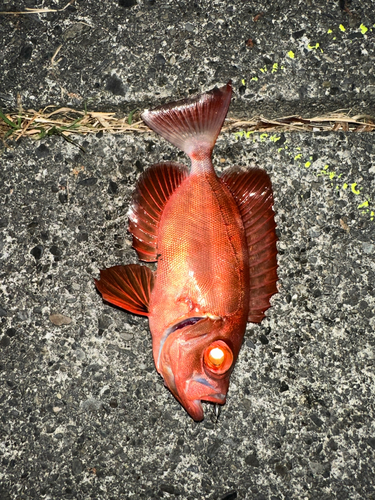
column 155, row 186
column 252, row 191
column 128, row 287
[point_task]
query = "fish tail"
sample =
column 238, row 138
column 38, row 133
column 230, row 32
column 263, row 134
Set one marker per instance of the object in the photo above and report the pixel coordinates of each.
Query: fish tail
column 192, row 124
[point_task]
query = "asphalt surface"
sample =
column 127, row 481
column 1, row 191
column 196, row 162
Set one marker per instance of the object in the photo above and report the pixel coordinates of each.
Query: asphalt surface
column 83, row 412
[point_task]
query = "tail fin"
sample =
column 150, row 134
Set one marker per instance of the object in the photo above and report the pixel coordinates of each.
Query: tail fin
column 192, row 124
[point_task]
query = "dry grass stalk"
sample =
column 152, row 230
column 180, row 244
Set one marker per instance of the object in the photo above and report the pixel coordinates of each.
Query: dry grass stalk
column 30, row 10
column 67, row 121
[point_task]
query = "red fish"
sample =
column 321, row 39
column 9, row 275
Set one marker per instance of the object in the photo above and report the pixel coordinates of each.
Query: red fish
column 215, row 245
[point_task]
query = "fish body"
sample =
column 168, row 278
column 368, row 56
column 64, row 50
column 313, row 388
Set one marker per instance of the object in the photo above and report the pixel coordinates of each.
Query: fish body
column 215, row 245
column 203, row 273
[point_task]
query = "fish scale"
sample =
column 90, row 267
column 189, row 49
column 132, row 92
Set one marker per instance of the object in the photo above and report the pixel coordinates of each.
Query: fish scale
column 194, row 216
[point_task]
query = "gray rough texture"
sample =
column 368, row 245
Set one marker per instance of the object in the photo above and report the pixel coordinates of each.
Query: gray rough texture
column 116, row 58
column 83, row 413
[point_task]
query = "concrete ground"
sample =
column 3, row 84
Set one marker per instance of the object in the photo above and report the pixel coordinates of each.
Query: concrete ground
column 84, row 415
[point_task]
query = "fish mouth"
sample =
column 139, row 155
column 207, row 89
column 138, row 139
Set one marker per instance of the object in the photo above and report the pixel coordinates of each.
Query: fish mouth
column 195, row 408
column 213, row 396
column 210, row 395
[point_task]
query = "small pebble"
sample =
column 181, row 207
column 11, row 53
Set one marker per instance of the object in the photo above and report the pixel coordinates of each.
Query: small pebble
column 252, row 460
column 77, row 466
column 89, row 181
column 4, row 341
column 368, row 248
column 231, row 495
column 37, row 252
column 60, row 319
column 126, row 336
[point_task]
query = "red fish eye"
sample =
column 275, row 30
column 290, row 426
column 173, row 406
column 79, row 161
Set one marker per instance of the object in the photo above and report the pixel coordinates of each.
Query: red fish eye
column 218, row 358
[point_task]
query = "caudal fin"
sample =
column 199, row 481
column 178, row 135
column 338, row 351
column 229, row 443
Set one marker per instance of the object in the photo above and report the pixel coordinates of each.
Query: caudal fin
column 192, row 124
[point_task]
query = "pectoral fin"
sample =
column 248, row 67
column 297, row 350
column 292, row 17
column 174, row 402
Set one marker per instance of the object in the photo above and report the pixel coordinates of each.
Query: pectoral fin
column 252, row 191
column 154, row 188
column 128, row 287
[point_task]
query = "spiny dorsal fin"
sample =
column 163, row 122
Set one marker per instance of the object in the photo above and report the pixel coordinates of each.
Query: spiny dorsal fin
column 192, row 124
column 252, row 191
column 128, row 287
column 155, row 186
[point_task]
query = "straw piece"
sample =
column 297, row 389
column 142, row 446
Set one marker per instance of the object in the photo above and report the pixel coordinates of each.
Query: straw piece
column 69, row 121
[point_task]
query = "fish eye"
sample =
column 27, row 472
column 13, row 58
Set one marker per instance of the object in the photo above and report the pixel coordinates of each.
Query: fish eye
column 218, row 357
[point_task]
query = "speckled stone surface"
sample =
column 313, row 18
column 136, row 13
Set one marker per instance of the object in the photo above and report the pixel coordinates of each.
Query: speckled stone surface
column 285, row 57
column 83, row 413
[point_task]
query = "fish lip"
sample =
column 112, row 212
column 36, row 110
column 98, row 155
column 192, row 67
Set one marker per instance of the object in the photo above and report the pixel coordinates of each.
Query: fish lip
column 196, row 411
column 195, row 408
column 216, row 397
column 212, row 395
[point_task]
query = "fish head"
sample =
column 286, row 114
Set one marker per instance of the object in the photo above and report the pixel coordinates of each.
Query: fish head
column 196, row 357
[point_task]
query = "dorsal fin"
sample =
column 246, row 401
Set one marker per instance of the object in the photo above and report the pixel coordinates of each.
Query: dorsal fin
column 155, row 186
column 192, row 124
column 252, row 191
column 128, row 287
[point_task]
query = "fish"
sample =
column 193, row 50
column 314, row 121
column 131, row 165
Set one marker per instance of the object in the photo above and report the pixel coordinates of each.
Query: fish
column 214, row 240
